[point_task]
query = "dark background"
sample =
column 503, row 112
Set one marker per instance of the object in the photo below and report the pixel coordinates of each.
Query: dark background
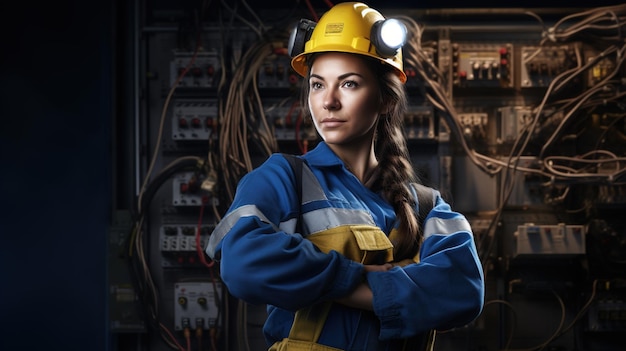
column 55, row 137
column 57, row 104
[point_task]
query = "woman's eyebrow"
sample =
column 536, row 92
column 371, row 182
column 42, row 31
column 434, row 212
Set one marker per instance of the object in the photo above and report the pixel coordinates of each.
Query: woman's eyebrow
column 343, row 76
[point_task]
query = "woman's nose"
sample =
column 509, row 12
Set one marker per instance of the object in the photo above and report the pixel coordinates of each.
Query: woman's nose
column 331, row 102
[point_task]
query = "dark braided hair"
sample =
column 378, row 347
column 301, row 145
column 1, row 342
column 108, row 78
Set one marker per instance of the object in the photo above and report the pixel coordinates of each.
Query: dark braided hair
column 396, row 170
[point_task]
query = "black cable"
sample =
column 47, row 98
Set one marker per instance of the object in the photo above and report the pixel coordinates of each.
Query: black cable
column 176, row 166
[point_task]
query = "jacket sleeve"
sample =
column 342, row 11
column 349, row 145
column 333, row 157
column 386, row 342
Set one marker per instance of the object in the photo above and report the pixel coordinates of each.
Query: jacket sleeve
column 444, row 290
column 262, row 264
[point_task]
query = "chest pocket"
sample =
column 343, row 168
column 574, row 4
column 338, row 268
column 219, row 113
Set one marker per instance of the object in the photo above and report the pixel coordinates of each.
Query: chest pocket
column 361, row 243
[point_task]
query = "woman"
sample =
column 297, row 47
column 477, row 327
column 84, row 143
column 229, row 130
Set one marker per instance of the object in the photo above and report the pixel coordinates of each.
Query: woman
column 363, row 272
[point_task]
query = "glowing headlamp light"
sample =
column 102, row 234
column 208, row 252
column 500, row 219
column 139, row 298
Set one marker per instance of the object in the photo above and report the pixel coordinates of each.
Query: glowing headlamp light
column 388, row 36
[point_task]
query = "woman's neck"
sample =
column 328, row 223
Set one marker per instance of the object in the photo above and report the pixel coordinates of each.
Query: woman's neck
column 359, row 160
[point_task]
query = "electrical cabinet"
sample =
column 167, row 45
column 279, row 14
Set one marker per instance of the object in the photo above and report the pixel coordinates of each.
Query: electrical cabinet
column 516, row 116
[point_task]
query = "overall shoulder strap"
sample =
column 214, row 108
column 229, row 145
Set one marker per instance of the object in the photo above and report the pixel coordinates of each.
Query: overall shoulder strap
column 306, row 327
column 426, row 200
column 296, row 165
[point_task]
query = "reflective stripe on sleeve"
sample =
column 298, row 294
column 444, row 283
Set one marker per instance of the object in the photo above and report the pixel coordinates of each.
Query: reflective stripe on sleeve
column 435, row 225
column 227, row 223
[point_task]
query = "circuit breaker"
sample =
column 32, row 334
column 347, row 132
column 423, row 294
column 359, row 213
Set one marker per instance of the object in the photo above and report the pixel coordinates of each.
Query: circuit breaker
column 196, row 304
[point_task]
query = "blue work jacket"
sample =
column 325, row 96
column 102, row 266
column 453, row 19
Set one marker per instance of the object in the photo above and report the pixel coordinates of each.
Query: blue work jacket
column 262, row 260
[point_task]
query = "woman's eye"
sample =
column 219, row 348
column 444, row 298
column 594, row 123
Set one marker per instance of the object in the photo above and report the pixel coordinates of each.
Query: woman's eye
column 349, row 84
column 315, row 85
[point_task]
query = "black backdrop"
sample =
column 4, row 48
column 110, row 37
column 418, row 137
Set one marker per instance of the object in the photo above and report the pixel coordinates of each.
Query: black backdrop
column 55, row 108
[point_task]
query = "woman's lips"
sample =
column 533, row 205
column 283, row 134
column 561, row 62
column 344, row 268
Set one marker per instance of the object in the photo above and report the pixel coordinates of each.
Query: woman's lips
column 332, row 122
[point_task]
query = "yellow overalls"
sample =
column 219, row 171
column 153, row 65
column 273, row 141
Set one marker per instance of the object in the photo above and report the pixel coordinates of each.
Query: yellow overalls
column 361, row 243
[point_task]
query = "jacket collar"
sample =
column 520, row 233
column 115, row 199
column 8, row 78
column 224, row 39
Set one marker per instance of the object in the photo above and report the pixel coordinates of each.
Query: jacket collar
column 323, row 156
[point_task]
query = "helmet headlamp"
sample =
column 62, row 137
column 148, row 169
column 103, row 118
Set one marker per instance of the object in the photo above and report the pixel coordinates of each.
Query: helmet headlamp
column 388, row 36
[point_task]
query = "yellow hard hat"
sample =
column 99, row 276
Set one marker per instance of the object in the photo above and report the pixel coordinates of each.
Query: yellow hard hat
column 350, row 27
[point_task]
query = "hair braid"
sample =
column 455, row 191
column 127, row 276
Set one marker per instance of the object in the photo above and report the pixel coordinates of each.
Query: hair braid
column 396, row 170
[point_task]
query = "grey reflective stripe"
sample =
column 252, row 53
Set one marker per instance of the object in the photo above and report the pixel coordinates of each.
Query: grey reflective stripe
column 227, row 223
column 435, row 225
column 288, row 226
column 327, row 218
column 311, row 188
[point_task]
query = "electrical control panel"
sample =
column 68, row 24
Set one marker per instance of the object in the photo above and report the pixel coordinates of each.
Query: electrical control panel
column 195, row 70
column 520, row 126
column 179, row 243
column 558, row 239
column 194, row 120
column 187, row 190
column 197, row 305
column 276, row 72
column 607, row 315
column 513, row 120
column 431, row 55
column 419, row 123
column 483, row 65
column 542, row 64
column 602, row 67
column 288, row 121
column 474, row 124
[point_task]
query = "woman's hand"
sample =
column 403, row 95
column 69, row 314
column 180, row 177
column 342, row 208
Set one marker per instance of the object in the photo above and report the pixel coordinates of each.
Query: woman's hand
column 378, row 267
column 361, row 297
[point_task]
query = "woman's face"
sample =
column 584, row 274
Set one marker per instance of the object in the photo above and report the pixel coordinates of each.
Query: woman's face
column 344, row 98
